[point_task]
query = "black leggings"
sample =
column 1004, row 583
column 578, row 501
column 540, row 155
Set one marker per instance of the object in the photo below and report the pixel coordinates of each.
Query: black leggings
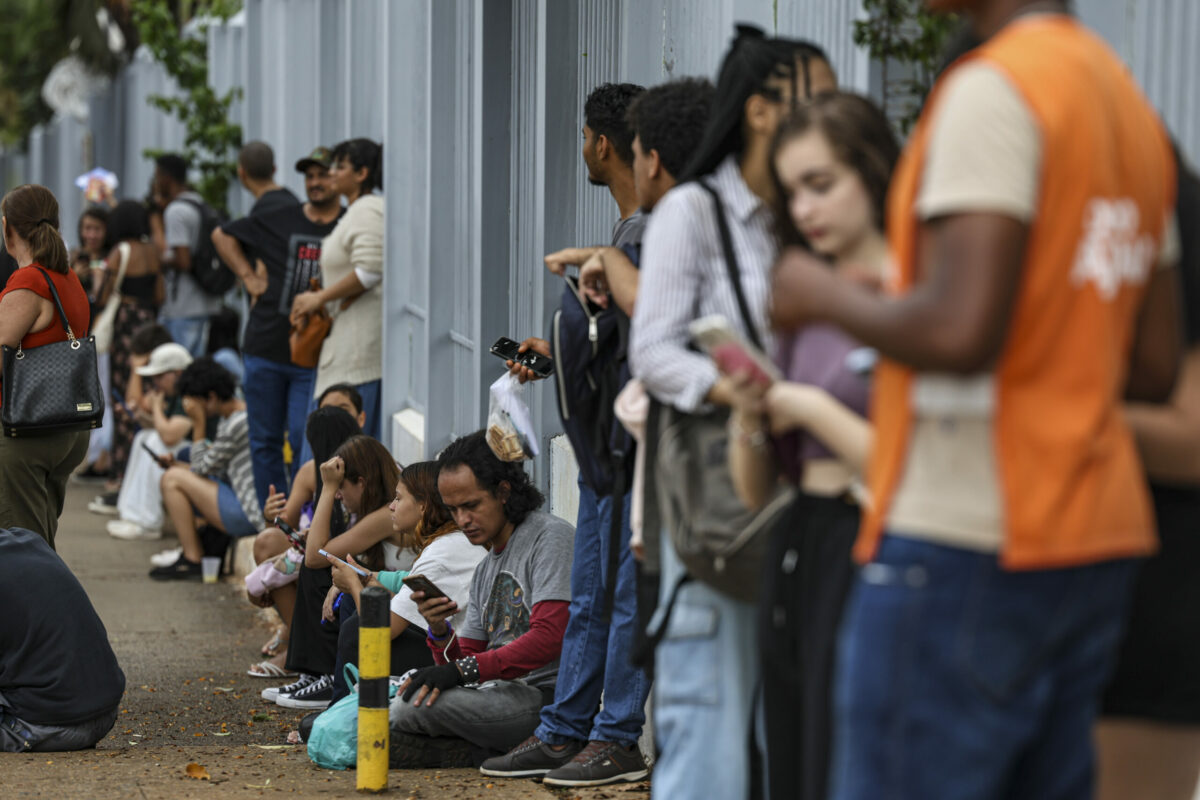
column 312, row 645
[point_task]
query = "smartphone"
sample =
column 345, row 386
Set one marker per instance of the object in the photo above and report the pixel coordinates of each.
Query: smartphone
column 507, row 349
column 730, row 351
column 362, row 573
column 293, row 537
column 419, row 583
column 158, row 458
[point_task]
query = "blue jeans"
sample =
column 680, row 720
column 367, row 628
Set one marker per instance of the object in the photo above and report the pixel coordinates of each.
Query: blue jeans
column 191, row 332
column 958, row 679
column 706, row 670
column 277, row 398
column 370, row 397
column 595, row 652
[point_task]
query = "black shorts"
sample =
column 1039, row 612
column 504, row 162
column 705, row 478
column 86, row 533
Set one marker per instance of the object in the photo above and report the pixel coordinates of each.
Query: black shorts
column 1157, row 674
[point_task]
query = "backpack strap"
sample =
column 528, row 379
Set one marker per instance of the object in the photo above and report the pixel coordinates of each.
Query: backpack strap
column 731, row 264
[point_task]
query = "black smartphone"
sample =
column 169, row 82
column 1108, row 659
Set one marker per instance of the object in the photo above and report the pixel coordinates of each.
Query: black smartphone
column 293, row 537
column 507, row 349
column 419, row 583
column 158, row 459
column 540, row 365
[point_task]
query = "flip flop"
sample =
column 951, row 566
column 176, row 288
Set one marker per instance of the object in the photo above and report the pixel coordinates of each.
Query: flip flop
column 271, row 648
column 265, row 669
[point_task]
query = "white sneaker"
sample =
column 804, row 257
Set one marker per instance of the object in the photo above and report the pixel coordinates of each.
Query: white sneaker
column 275, row 692
column 131, row 531
column 167, row 557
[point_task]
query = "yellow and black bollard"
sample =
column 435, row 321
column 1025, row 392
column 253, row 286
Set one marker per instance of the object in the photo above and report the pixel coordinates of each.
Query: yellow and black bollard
column 374, row 666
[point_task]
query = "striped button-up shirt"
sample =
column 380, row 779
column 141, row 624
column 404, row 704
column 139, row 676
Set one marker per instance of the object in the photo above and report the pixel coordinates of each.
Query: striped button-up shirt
column 684, row 277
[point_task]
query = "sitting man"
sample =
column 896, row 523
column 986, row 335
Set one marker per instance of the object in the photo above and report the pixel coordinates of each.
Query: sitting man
column 159, row 410
column 60, row 684
column 219, row 484
column 490, row 679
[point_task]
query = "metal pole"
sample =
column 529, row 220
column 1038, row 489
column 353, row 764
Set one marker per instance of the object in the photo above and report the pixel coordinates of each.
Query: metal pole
column 374, row 666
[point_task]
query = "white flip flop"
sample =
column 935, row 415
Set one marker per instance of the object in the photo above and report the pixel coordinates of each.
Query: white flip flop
column 265, row 669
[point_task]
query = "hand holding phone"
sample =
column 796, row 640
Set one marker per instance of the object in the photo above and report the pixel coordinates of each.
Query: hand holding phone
column 732, row 353
column 361, row 573
column 527, row 359
column 296, row 539
column 419, row 583
column 165, row 460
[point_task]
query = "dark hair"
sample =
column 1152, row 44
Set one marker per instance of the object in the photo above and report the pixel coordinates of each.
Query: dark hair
column 148, row 337
column 605, row 113
column 368, row 459
column 363, row 153
column 98, row 213
column 420, row 479
column 860, row 136
column 748, row 69
column 670, row 119
column 32, row 214
column 204, row 376
column 346, row 389
column 128, row 222
column 257, row 160
column 327, row 429
column 174, row 166
column 223, row 330
column 472, row 451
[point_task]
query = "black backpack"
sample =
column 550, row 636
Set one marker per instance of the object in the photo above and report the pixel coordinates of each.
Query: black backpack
column 209, row 271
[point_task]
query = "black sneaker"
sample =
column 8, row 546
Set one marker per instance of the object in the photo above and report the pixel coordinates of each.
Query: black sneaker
column 600, row 763
column 412, row 751
column 181, row 570
column 273, row 694
column 530, row 757
column 104, row 504
column 318, row 695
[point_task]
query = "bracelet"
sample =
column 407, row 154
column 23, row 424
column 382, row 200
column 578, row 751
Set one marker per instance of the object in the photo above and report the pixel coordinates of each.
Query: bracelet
column 755, row 439
column 429, row 634
column 469, row 669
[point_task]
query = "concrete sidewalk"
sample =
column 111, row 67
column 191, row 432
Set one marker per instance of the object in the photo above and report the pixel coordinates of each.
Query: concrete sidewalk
column 185, row 648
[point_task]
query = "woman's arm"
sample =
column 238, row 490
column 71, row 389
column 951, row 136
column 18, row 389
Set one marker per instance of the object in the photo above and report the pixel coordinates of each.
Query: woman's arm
column 371, row 529
column 1168, row 435
column 303, row 489
column 318, row 532
column 796, row 405
column 108, row 283
column 19, row 311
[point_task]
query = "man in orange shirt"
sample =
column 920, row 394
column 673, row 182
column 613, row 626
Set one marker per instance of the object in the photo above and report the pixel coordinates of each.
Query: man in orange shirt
column 1034, row 288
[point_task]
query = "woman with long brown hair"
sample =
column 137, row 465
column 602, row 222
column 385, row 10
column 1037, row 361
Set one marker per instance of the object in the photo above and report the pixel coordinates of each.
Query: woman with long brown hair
column 34, row 471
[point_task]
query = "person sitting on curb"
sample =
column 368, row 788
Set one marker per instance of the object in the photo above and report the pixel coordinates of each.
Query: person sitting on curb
column 60, row 683
column 219, row 485
column 491, row 678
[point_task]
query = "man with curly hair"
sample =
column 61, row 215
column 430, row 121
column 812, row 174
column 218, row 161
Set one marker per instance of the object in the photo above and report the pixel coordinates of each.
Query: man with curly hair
column 491, row 678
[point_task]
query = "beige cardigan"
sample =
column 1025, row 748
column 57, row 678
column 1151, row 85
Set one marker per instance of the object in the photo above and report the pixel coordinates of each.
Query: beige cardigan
column 353, row 351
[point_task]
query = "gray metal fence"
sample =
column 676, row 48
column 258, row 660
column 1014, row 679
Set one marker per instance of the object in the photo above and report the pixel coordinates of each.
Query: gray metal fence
column 479, row 104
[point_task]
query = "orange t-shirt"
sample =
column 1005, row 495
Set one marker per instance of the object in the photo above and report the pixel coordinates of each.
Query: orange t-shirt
column 1071, row 483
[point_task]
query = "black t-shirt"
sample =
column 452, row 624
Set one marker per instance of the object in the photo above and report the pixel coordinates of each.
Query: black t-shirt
column 273, row 201
column 289, row 243
column 56, row 666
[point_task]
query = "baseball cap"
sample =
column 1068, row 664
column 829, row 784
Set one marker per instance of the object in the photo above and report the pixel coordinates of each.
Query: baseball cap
column 166, row 358
column 320, row 156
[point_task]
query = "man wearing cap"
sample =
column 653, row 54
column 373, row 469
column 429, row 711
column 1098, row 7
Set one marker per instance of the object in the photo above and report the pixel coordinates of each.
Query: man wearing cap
column 275, row 253
column 139, row 504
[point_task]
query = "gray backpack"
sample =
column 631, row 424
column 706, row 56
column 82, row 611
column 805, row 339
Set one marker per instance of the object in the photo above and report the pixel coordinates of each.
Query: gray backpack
column 718, row 540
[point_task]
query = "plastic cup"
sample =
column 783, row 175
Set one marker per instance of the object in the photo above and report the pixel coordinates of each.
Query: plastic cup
column 210, row 567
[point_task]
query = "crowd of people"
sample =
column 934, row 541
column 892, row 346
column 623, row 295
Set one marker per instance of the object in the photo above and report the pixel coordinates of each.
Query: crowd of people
column 886, row 459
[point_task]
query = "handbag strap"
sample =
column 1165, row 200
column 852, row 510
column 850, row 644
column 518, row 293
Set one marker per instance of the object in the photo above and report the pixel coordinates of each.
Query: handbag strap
column 62, row 315
column 125, row 249
column 731, row 264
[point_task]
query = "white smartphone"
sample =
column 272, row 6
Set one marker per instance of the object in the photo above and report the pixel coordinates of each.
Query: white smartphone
column 730, row 350
column 361, row 572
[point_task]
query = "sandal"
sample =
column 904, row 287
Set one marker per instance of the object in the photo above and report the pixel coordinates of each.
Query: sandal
column 272, row 648
column 265, row 669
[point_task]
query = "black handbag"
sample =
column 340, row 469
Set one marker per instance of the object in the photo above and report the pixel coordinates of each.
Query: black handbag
column 52, row 388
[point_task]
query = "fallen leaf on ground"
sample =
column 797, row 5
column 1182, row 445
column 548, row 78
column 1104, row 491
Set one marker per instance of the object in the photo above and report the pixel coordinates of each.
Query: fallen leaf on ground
column 273, row 746
column 198, row 772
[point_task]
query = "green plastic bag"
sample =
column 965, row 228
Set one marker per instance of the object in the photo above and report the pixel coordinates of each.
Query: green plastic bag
column 333, row 742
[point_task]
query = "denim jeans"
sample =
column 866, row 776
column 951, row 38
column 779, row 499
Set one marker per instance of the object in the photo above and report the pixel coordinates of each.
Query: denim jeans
column 191, row 332
column 595, row 652
column 371, row 427
column 277, row 398
column 706, row 673
column 495, row 716
column 959, row 679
